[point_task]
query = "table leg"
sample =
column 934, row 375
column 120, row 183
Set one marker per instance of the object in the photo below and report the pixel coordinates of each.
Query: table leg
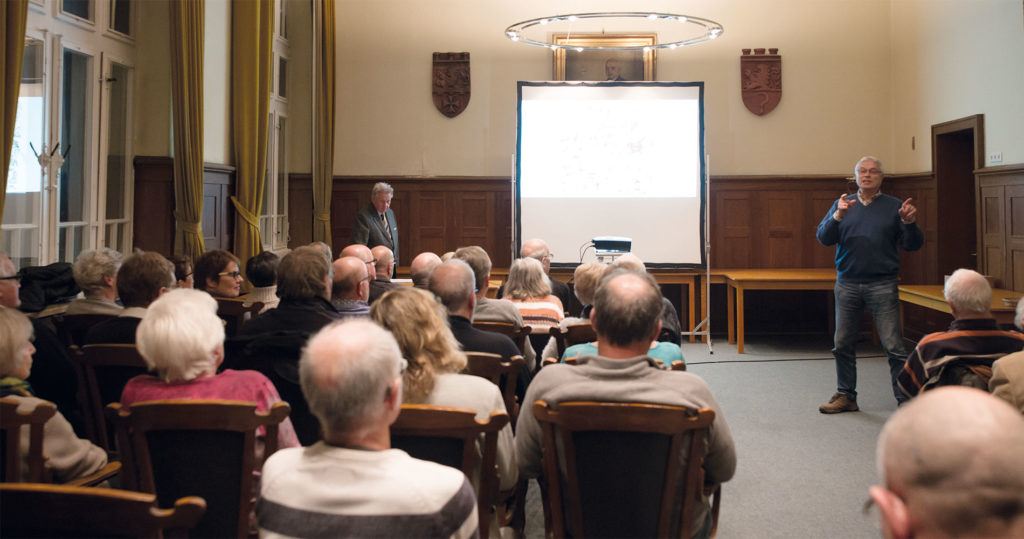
column 690, row 289
column 740, row 315
column 731, row 312
column 705, row 290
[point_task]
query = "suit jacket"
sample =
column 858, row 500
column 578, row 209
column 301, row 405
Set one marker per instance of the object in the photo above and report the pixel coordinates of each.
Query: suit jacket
column 1007, row 380
column 368, row 230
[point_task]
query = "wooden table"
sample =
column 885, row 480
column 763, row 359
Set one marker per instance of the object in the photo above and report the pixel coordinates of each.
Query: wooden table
column 738, row 281
column 931, row 297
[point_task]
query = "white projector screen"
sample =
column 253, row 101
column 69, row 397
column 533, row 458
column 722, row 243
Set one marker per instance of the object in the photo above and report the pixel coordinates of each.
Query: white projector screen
column 612, row 159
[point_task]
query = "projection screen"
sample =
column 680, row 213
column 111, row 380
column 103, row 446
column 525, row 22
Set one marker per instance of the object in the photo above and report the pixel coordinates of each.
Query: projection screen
column 612, row 159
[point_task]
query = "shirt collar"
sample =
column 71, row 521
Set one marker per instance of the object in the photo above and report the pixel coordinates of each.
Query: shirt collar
column 866, row 201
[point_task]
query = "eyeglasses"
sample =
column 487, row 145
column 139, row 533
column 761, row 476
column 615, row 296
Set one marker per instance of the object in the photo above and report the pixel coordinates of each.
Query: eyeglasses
column 14, row 277
column 868, row 170
column 233, row 274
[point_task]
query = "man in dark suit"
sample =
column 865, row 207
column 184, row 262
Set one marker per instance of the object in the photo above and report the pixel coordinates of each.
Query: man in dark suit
column 143, row 277
column 375, row 224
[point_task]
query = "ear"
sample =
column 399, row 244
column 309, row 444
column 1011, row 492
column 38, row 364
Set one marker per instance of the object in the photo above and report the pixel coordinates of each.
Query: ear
column 218, row 355
column 592, row 311
column 895, row 518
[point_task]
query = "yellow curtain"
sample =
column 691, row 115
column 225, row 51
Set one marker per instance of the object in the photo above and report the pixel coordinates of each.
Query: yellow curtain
column 323, row 121
column 252, row 40
column 187, row 87
column 13, row 14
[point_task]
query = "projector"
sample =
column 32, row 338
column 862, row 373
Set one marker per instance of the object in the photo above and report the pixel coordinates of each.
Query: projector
column 612, row 245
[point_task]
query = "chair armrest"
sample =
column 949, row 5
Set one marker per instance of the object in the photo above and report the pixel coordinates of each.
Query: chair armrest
column 95, row 478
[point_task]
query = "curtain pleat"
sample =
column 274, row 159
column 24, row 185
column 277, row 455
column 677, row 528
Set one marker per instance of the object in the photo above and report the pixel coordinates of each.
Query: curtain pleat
column 252, row 40
column 13, row 14
column 323, row 121
column 187, row 19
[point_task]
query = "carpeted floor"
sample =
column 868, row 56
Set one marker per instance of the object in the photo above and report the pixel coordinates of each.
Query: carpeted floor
column 800, row 473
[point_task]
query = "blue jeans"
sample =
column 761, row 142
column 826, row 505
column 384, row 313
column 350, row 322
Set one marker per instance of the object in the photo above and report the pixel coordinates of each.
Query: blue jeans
column 882, row 299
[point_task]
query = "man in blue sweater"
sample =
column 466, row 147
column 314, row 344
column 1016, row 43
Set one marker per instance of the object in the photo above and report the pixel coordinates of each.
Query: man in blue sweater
column 869, row 229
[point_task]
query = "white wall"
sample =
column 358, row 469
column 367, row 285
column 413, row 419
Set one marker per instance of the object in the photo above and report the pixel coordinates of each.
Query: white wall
column 217, row 84
column 152, row 117
column 956, row 58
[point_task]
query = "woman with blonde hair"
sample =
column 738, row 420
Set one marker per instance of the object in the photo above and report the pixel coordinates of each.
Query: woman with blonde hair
column 420, row 325
column 67, row 456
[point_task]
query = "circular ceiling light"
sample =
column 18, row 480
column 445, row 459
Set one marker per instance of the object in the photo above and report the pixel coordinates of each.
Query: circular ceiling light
column 697, row 30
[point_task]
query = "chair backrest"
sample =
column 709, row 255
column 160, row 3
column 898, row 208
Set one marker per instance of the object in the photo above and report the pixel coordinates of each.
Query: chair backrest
column 11, row 422
column 502, row 373
column 610, row 449
column 106, row 369
column 197, row 447
column 35, row 510
column 235, row 313
column 71, row 328
column 450, row 436
column 572, row 334
column 508, row 329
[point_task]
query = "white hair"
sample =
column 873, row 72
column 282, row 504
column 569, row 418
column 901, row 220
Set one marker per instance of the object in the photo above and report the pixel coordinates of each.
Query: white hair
column 869, row 158
column 92, row 266
column 179, row 334
column 968, row 291
column 15, row 333
column 381, row 187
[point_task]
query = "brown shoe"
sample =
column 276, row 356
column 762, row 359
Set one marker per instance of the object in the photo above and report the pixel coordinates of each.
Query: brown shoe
column 840, row 402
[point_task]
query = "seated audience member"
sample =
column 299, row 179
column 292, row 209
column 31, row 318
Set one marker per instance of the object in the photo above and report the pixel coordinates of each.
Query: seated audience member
column 384, row 268
column 217, row 273
column 182, row 340
column 585, row 277
column 950, row 466
column 492, row 310
column 95, row 273
column 452, row 283
column 1007, row 380
column 419, row 324
column 352, row 484
column 362, row 252
column 529, row 289
column 143, row 277
column 447, row 256
column 537, row 249
column 964, row 354
column 325, row 249
column 671, row 328
column 351, row 287
column 67, row 456
column 420, row 269
column 304, row 286
column 262, row 273
column 627, row 309
column 182, row 271
column 55, row 377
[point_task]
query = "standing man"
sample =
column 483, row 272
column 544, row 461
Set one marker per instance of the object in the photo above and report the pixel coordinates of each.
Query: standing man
column 869, row 229
column 375, row 224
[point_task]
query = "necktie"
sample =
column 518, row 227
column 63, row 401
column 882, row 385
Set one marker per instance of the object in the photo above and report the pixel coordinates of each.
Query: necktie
column 384, row 223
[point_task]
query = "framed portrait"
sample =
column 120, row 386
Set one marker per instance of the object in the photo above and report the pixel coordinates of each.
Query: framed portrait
column 603, row 65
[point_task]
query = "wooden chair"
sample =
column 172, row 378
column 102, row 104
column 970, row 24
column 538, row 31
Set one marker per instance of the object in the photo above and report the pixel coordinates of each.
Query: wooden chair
column 502, row 373
column 611, row 449
column 35, row 510
column 72, row 328
column 449, row 436
column 11, row 422
column 518, row 336
column 106, row 369
column 235, row 314
column 573, row 334
column 197, row 447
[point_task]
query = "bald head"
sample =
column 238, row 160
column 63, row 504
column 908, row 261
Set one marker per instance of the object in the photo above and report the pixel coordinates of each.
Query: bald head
column 951, row 465
column 351, row 280
column 361, row 252
column 421, row 267
column 453, row 283
column 344, row 370
column 385, row 260
column 627, row 309
column 968, row 294
column 538, row 249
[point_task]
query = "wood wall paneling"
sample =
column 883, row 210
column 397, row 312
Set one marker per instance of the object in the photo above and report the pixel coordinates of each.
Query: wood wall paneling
column 300, row 210
column 1000, row 206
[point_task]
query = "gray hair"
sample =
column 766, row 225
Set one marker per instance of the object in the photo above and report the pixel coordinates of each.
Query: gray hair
column 381, row 187
column 452, row 282
column 969, row 292
column 179, row 334
column 526, row 279
column 479, row 261
column 301, row 274
column 1018, row 320
column 15, row 333
column 92, row 266
column 621, row 315
column 343, row 371
column 878, row 163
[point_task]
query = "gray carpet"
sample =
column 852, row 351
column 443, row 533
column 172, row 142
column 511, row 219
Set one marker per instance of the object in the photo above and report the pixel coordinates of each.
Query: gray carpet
column 800, row 473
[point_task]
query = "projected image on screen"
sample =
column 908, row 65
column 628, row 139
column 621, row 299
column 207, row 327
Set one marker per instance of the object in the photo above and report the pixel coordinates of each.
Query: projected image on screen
column 612, row 159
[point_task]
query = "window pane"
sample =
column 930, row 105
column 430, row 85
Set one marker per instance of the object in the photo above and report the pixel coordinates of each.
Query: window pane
column 121, row 16
column 78, row 8
column 116, row 137
column 22, row 207
column 282, row 77
column 74, row 111
column 282, row 172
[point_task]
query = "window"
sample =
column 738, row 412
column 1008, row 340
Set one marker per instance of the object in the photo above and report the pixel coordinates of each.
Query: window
column 274, row 210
